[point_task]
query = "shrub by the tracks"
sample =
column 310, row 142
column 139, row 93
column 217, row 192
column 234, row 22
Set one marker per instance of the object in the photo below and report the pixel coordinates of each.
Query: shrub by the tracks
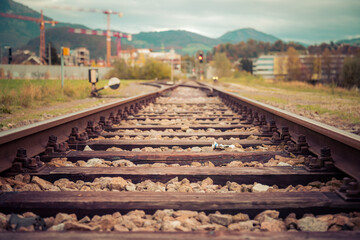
column 151, row 69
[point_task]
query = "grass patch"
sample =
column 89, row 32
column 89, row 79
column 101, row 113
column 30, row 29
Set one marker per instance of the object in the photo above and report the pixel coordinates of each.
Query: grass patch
column 295, row 86
column 266, row 99
column 334, row 105
column 22, row 94
column 320, row 110
column 21, row 98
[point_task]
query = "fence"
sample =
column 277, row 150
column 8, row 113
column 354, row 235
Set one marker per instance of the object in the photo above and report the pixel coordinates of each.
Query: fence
column 14, row 71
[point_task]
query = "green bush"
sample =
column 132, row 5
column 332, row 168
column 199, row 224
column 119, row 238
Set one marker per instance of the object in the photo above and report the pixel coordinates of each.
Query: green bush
column 150, row 70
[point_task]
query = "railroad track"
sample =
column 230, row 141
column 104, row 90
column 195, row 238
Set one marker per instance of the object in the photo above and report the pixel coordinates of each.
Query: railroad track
column 186, row 161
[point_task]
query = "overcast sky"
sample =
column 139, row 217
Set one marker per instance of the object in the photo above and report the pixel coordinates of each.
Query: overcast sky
column 309, row 21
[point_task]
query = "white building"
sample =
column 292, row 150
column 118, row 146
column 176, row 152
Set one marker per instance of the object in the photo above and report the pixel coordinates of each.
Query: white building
column 138, row 57
column 78, row 57
column 264, row 66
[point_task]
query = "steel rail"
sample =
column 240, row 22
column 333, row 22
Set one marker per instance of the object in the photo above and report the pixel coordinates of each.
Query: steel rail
column 344, row 146
column 34, row 137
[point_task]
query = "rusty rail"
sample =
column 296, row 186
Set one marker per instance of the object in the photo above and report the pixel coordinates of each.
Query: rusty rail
column 345, row 147
column 34, row 137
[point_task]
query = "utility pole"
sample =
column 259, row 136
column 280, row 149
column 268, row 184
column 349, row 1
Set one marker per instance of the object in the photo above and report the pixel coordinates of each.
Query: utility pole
column 108, row 42
column 49, row 48
column 64, row 52
column 172, row 64
column 62, row 67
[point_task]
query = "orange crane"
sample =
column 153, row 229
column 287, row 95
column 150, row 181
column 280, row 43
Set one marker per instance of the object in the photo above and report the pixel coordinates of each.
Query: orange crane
column 108, row 32
column 41, row 22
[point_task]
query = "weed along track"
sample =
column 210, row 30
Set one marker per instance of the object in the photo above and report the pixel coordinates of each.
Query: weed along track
column 186, row 161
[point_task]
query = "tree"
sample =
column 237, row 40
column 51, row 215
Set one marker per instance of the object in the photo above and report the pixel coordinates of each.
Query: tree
column 120, row 70
column 280, row 67
column 308, row 67
column 293, row 64
column 246, row 65
column 150, row 70
column 222, row 65
column 278, row 46
column 350, row 74
column 55, row 60
column 154, row 69
column 187, row 64
column 326, row 65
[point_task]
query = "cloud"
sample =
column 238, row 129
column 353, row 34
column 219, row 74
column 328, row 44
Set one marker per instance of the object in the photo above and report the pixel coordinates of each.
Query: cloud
column 314, row 20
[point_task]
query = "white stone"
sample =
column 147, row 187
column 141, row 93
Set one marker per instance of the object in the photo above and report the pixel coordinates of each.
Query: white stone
column 260, row 188
column 283, row 164
column 94, row 161
column 196, row 149
column 87, row 148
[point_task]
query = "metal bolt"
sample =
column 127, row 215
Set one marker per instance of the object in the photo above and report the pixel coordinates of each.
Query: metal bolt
column 21, row 153
column 301, row 139
column 325, row 152
column 353, row 190
column 111, row 116
column 345, row 184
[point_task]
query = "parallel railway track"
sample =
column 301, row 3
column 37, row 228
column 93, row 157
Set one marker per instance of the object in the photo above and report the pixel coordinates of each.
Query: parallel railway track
column 162, row 150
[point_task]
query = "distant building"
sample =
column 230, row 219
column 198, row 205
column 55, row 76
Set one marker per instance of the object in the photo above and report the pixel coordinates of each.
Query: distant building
column 264, row 66
column 82, row 57
column 311, row 67
column 78, row 57
column 138, row 57
column 25, row 57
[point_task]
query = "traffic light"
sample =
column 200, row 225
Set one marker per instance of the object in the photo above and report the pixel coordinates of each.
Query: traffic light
column 10, row 56
column 201, row 58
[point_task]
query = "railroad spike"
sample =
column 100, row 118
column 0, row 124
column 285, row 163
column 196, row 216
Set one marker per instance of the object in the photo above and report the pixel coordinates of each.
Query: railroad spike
column 93, row 131
column 256, row 121
column 263, row 120
column 23, row 164
column 52, row 145
column 300, row 147
column 285, row 134
column 276, row 138
column 102, row 121
column 250, row 117
column 111, row 116
column 76, row 137
column 345, row 184
column 125, row 114
column 322, row 163
column 270, row 127
column 244, row 113
column 349, row 190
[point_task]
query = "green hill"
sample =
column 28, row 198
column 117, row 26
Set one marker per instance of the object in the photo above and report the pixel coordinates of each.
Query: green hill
column 184, row 41
column 16, row 32
column 244, row 34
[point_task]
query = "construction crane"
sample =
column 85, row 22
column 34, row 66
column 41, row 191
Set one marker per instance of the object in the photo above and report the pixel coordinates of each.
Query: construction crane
column 41, row 22
column 108, row 32
column 118, row 36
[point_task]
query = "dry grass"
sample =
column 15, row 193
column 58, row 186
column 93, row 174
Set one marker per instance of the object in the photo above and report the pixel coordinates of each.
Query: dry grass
column 26, row 101
column 335, row 106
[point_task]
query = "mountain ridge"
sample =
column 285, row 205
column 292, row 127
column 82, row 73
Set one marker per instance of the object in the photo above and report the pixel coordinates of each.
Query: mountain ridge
column 245, row 34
